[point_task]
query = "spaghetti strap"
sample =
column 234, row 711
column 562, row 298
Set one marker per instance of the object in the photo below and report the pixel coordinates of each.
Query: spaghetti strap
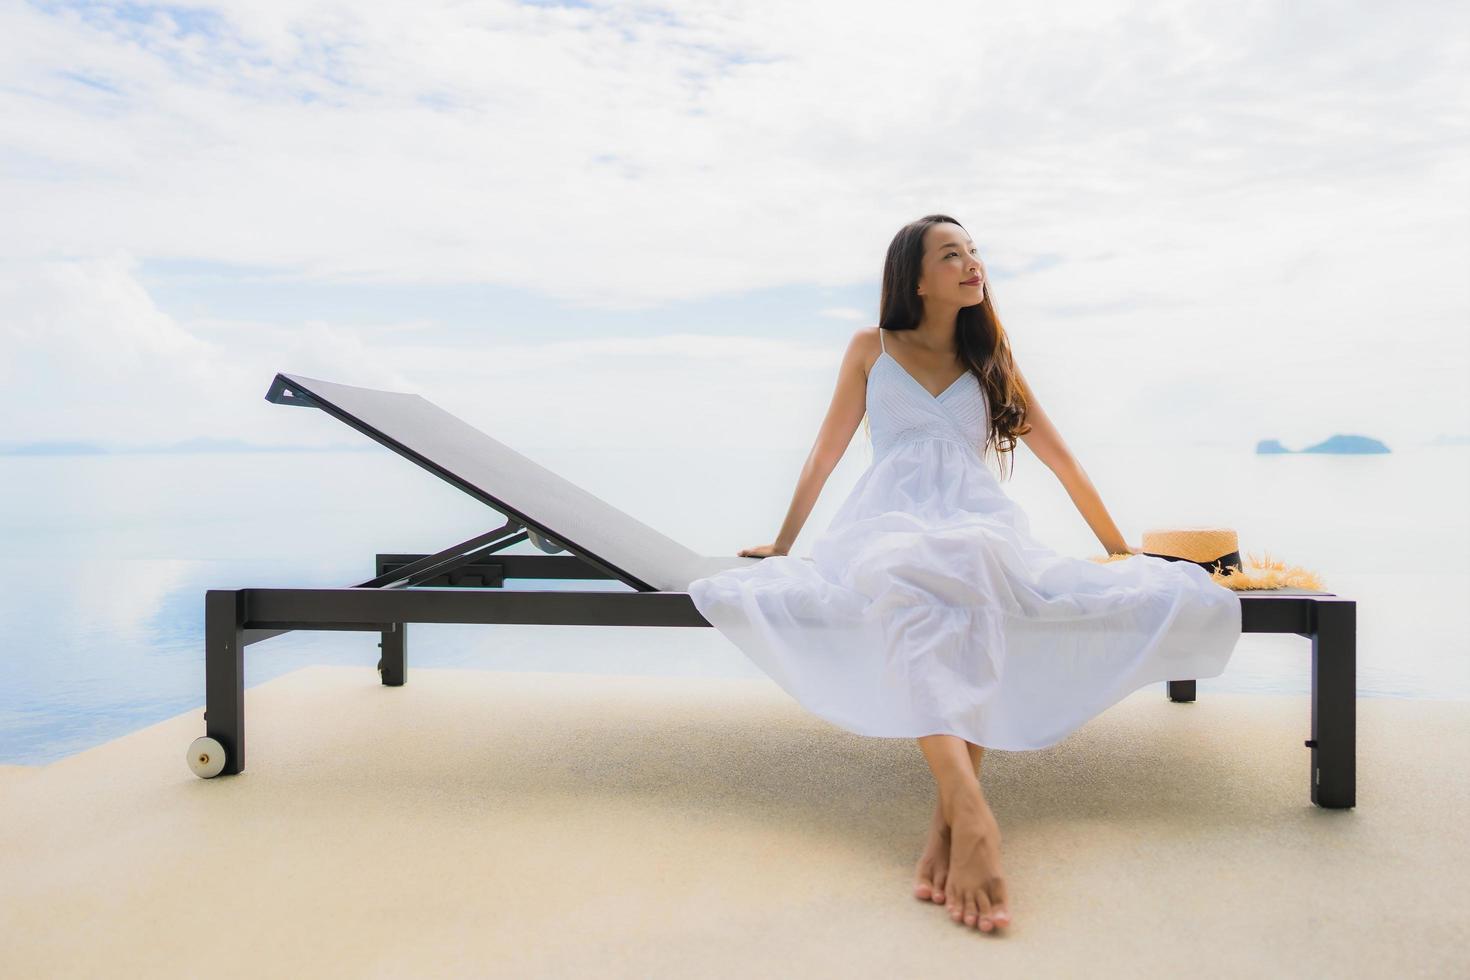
column 880, row 341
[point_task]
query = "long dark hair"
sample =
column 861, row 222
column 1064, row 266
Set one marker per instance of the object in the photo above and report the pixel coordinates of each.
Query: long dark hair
column 980, row 340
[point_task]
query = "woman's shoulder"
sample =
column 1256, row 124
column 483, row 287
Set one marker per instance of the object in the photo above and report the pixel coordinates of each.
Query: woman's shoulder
column 865, row 346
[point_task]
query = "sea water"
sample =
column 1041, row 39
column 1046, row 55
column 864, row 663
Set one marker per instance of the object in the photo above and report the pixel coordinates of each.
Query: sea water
column 105, row 559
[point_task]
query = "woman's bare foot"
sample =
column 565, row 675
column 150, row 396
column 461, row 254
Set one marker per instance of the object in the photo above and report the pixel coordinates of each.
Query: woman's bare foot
column 933, row 866
column 976, row 889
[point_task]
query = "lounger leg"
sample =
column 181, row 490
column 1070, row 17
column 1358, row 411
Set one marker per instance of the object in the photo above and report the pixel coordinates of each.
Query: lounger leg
column 1180, row 690
column 224, row 674
column 394, row 663
column 1334, row 704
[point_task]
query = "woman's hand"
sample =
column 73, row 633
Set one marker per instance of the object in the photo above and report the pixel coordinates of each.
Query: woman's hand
column 1132, row 550
column 762, row 551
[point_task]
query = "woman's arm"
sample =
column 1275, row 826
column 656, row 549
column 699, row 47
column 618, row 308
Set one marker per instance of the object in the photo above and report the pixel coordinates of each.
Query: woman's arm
column 849, row 402
column 1046, row 442
column 1085, row 496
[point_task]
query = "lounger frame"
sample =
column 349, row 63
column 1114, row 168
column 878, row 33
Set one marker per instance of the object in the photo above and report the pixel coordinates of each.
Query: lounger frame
column 464, row 583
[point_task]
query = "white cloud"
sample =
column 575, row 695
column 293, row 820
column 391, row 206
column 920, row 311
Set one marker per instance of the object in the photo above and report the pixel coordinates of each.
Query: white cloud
column 1261, row 204
column 847, row 313
column 464, row 142
column 85, row 353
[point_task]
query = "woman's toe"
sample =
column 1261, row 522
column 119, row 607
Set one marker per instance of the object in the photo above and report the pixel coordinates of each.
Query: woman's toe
column 1000, row 912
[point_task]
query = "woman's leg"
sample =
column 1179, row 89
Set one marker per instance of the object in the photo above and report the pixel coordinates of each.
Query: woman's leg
column 974, row 883
column 933, row 868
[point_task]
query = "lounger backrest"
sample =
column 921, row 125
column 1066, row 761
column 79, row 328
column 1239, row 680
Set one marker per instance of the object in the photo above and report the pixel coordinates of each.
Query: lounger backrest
column 514, row 485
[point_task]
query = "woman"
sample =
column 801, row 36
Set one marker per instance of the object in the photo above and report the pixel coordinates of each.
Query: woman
column 927, row 609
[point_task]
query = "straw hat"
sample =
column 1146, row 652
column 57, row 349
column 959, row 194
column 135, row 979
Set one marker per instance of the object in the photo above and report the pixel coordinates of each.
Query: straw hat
column 1217, row 551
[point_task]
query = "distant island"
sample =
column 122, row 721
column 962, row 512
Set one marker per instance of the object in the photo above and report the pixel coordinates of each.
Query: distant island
column 1338, row 444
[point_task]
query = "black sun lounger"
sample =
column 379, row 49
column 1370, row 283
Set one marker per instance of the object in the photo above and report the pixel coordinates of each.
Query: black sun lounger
column 584, row 538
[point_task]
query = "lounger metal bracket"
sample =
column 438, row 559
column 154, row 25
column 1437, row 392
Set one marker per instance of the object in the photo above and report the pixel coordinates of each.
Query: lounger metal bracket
column 281, row 393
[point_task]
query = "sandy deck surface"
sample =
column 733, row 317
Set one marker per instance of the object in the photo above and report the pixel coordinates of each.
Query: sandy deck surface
column 479, row 823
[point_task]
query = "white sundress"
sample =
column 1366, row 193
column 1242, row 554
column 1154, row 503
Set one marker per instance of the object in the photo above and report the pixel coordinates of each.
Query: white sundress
column 927, row 607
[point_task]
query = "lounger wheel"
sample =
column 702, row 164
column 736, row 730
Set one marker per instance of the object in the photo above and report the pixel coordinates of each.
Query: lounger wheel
column 206, row 757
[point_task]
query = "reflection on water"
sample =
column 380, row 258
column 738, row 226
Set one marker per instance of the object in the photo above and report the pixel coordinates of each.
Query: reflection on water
column 107, row 559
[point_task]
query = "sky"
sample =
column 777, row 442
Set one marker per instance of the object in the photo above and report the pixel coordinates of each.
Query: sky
column 643, row 225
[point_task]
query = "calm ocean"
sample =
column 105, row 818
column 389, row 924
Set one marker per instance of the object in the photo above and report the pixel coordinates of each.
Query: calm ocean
column 105, row 561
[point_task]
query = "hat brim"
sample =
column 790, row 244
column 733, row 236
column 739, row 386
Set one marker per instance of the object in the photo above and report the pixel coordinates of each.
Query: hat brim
column 1252, row 574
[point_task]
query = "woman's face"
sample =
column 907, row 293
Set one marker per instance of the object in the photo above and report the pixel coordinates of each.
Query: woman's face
column 951, row 261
